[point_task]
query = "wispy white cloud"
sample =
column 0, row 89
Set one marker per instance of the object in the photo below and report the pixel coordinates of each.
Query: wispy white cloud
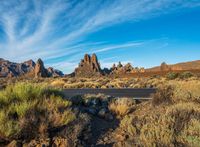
column 113, row 47
column 52, row 29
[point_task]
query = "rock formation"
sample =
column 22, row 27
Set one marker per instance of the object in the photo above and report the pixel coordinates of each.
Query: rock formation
column 89, row 66
column 40, row 70
column 128, row 68
column 27, row 69
column 54, row 72
column 11, row 69
column 164, row 67
column 95, row 63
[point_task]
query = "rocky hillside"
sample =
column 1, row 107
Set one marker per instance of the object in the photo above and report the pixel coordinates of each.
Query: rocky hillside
column 28, row 68
column 192, row 65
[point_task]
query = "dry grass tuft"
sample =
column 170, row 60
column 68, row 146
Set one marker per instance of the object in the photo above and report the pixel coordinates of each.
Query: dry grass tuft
column 121, row 106
column 164, row 95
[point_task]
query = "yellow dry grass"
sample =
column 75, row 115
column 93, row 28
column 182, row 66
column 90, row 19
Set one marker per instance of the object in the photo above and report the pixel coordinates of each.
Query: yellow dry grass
column 121, row 106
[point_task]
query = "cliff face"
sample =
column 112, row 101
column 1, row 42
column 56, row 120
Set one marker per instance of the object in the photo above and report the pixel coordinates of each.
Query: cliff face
column 89, row 66
column 28, row 68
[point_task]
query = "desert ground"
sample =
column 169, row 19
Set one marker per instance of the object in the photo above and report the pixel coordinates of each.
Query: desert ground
column 34, row 112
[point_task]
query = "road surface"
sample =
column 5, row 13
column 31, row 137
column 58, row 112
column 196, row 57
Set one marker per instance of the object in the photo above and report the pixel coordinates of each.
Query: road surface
column 142, row 93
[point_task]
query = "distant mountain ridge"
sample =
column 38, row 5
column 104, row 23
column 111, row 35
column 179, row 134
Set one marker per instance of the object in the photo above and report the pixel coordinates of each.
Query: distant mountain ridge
column 89, row 66
column 183, row 66
column 28, row 68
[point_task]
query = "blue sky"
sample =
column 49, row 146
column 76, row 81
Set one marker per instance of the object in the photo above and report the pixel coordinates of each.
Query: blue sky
column 144, row 33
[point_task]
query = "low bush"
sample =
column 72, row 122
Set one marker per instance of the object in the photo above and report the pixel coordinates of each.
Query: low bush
column 172, row 76
column 127, row 124
column 186, row 75
column 174, row 121
column 30, row 110
column 186, row 91
column 121, row 106
column 157, row 131
column 163, row 95
column 190, row 135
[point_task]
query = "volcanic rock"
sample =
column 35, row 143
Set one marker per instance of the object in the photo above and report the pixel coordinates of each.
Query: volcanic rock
column 54, row 72
column 164, row 67
column 28, row 69
column 11, row 69
column 40, row 70
column 128, row 68
column 89, row 66
column 119, row 65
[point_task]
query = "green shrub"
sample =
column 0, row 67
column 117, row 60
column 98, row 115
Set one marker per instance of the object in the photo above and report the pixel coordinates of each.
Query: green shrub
column 186, row 75
column 172, row 75
column 26, row 109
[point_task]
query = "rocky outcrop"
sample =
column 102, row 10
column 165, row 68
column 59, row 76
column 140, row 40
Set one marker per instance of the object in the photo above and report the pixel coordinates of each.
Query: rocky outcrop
column 128, row 68
column 40, row 70
column 54, row 72
column 164, row 67
column 11, row 69
column 95, row 64
column 28, row 69
column 89, row 66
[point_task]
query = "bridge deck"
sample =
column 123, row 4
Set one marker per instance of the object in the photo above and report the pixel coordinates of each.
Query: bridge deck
column 127, row 92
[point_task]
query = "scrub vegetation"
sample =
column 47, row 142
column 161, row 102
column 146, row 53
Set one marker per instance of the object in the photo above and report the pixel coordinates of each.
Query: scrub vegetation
column 35, row 112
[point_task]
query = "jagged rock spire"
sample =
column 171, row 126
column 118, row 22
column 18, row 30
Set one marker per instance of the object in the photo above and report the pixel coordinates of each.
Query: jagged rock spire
column 88, row 66
column 40, row 70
